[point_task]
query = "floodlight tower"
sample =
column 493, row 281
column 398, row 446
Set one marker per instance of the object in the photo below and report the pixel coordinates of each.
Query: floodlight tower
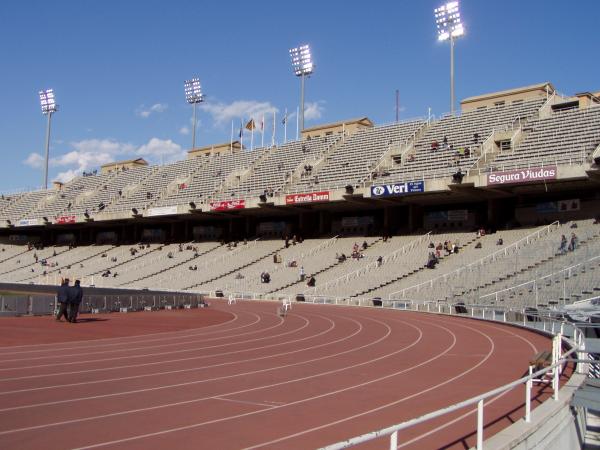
column 49, row 106
column 449, row 27
column 193, row 95
column 302, row 65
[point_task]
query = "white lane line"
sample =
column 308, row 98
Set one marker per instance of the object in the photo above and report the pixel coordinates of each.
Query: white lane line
column 243, row 391
column 170, row 372
column 387, row 405
column 53, row 346
column 198, row 338
column 244, row 402
column 145, row 355
column 297, row 402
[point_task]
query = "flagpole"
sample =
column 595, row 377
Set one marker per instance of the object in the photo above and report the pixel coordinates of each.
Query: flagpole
column 252, row 135
column 273, row 134
column 297, row 122
column 285, row 119
column 242, row 133
column 231, row 140
column 262, row 132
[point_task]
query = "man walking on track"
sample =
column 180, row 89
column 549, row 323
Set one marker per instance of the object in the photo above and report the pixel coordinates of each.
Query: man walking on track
column 62, row 296
column 75, row 297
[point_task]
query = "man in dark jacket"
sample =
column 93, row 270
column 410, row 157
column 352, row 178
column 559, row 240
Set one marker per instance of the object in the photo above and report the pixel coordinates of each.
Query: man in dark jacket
column 62, row 296
column 75, row 297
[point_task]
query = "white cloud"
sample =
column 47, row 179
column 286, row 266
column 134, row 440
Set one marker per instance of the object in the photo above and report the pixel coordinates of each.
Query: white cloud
column 89, row 154
column 161, row 150
column 184, row 130
column 34, row 160
column 313, row 110
column 144, row 112
column 223, row 112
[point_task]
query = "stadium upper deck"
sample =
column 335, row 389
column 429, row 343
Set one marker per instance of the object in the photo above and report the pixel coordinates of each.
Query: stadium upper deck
column 348, row 166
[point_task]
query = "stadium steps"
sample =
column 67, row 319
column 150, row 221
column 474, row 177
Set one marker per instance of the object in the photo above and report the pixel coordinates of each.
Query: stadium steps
column 406, row 275
column 79, row 261
column 314, row 274
column 185, row 261
column 243, row 266
column 33, row 263
column 556, row 256
column 14, row 256
column 158, row 247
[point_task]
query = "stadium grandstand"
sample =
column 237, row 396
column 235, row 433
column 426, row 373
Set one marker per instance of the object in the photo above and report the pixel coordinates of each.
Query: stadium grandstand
column 493, row 208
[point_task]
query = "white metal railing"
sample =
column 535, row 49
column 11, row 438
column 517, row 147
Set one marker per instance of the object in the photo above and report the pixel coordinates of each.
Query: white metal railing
column 568, row 270
column 372, row 265
column 544, row 231
column 559, row 359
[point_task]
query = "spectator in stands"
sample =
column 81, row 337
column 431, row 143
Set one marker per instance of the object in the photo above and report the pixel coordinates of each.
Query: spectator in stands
column 62, row 297
column 302, row 274
column 434, row 145
column 379, row 261
column 170, row 255
column 311, row 281
column 445, row 141
column 475, row 138
column 75, row 297
column 342, row 258
column 478, row 245
column 574, row 242
column 431, row 245
column 500, row 241
column 438, row 250
column 563, row 244
column 239, row 276
column 365, row 245
column 431, row 260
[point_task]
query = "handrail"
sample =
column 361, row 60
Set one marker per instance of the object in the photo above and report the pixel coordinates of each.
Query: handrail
column 491, row 256
column 554, row 368
column 371, row 265
column 495, row 293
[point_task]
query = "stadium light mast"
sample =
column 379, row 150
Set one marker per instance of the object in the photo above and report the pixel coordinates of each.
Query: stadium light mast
column 49, row 106
column 449, row 27
column 303, row 66
column 193, row 95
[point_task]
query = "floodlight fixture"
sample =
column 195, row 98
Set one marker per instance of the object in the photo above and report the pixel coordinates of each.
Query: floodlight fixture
column 49, row 106
column 302, row 65
column 449, row 27
column 193, row 95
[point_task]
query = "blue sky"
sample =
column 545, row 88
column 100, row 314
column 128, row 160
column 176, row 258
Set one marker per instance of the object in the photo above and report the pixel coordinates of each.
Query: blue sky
column 118, row 67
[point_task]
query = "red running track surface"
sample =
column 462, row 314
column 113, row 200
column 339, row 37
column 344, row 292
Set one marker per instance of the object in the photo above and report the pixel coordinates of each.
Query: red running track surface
column 240, row 376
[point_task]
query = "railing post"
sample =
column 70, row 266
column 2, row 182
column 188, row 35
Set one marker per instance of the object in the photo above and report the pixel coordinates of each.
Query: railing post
column 394, row 440
column 528, row 386
column 480, row 425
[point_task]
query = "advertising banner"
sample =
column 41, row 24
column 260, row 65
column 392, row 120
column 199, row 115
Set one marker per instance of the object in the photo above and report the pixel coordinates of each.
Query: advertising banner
column 522, row 176
column 387, row 190
column 162, row 211
column 61, row 220
column 227, row 205
column 311, row 197
column 28, row 222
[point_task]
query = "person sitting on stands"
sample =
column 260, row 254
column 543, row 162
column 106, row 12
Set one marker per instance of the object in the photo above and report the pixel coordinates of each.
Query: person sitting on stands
column 170, row 255
column 342, row 258
column 379, row 261
column 365, row 245
column 431, row 260
column 311, row 281
column 500, row 241
column 434, row 145
column 438, row 250
column 445, row 140
column 478, row 245
column 476, row 138
column 563, row 244
column 574, row 242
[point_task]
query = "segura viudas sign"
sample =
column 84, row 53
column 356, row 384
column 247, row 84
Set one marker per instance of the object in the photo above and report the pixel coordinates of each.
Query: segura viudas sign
column 386, row 190
column 522, row 176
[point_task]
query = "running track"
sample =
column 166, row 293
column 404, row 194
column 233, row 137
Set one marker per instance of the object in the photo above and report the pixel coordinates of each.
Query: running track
column 250, row 379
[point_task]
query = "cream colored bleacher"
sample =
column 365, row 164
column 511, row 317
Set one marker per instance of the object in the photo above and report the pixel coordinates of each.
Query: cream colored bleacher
column 20, row 267
column 215, row 170
column 24, row 205
column 353, row 161
column 216, row 265
column 475, row 266
column 566, row 137
column 313, row 254
column 130, row 274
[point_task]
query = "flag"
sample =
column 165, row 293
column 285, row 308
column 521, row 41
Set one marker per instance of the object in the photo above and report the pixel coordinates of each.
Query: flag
column 250, row 125
column 241, row 133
